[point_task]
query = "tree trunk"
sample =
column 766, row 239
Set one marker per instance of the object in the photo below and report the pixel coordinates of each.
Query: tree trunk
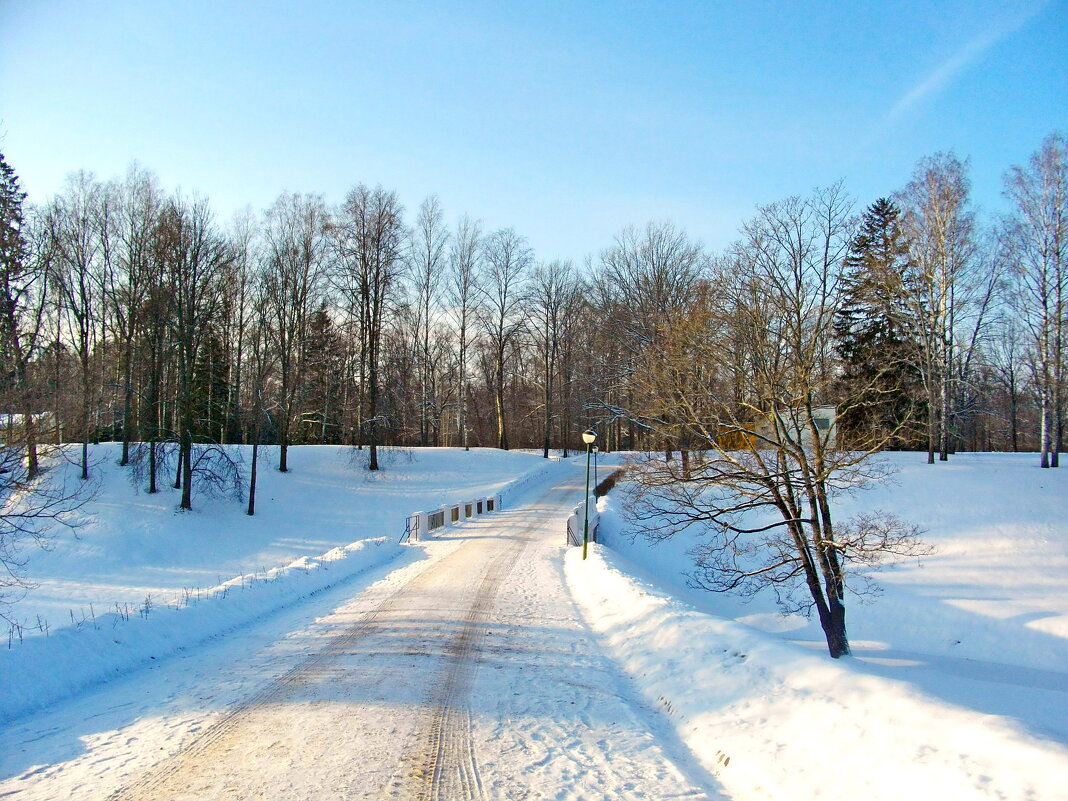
column 178, row 472
column 152, row 445
column 1044, row 429
column 127, row 401
column 30, row 430
column 502, row 429
column 252, row 477
column 285, row 414
column 86, row 416
column 548, row 415
column 372, row 412
column 932, row 427
column 187, row 472
column 834, row 629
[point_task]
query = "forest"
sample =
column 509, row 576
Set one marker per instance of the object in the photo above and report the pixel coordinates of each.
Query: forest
column 133, row 314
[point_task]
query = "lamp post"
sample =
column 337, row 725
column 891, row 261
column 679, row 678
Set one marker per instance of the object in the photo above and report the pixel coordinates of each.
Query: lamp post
column 589, row 436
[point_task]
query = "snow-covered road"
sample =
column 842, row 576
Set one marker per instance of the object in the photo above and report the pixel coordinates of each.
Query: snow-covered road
column 466, row 674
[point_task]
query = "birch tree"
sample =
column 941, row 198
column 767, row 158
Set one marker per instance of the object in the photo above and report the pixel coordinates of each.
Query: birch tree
column 1036, row 235
column 940, row 228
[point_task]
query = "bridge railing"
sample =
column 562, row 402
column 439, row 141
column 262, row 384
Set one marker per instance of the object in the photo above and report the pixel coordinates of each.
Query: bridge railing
column 578, row 517
column 418, row 525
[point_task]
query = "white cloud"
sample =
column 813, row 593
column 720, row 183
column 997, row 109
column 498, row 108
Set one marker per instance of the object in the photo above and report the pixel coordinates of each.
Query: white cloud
column 945, row 73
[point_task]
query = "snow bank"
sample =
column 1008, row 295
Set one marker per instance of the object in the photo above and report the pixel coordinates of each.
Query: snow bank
column 42, row 670
column 995, row 590
column 774, row 720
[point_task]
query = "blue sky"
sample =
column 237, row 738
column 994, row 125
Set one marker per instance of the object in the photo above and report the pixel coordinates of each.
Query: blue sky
column 564, row 120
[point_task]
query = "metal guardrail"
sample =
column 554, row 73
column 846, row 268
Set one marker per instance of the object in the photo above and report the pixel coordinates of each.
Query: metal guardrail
column 576, row 520
column 418, row 524
column 411, row 526
column 574, row 530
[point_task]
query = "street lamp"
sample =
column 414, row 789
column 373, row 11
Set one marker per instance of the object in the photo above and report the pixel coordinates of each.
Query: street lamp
column 589, row 436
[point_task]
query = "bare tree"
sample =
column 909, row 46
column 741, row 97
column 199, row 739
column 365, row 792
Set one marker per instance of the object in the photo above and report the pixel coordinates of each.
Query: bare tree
column 760, row 486
column 196, row 259
column 296, row 253
column 507, row 260
column 465, row 261
column 75, row 242
column 30, row 508
column 428, row 254
column 653, row 273
column 262, row 358
column 1036, row 235
column 648, row 277
column 368, row 239
column 237, row 301
column 1007, row 355
column 554, row 296
column 31, row 500
column 950, row 290
column 127, row 226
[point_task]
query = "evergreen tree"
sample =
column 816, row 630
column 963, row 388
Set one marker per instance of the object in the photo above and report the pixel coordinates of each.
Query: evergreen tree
column 872, row 331
column 21, row 313
column 322, row 406
column 211, row 391
column 12, row 244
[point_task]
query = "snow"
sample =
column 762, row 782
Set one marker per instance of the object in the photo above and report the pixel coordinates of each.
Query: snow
column 958, row 685
column 140, row 579
column 468, row 662
column 573, row 679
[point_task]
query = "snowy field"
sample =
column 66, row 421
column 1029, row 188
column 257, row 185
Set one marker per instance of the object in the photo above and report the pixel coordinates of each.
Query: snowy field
column 141, row 579
column 958, row 687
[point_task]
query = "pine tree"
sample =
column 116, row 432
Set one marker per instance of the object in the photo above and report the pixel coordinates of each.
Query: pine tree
column 324, row 368
column 872, row 331
column 211, row 391
column 21, row 308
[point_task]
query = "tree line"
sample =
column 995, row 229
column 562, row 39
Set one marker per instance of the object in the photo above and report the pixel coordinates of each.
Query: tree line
column 764, row 374
column 131, row 314
column 819, row 339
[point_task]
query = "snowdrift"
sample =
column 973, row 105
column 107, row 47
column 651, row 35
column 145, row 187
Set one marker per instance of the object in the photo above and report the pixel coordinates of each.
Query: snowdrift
column 957, row 687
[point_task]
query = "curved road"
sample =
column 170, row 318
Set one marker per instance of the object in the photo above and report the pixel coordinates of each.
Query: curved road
column 466, row 676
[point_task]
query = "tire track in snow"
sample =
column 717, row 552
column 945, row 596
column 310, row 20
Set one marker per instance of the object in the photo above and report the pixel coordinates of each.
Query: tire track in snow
column 446, row 764
column 150, row 785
